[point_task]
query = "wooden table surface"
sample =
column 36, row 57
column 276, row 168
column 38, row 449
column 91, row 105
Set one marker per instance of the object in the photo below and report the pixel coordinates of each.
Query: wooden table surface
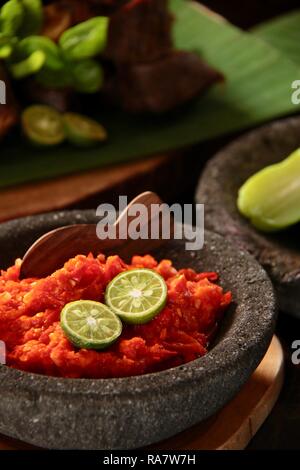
column 92, row 187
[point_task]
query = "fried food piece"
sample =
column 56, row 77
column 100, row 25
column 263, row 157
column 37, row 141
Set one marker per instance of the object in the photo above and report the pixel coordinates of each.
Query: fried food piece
column 139, row 32
column 151, row 76
column 162, row 85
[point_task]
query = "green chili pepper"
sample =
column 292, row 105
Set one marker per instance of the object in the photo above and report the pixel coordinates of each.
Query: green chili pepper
column 87, row 76
column 31, row 44
column 6, row 39
column 33, row 17
column 28, row 66
column 11, row 17
column 271, row 197
column 86, row 39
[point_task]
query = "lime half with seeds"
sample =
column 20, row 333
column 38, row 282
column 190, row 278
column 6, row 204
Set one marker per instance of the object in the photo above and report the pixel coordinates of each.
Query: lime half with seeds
column 83, row 131
column 90, row 325
column 43, row 125
column 137, row 295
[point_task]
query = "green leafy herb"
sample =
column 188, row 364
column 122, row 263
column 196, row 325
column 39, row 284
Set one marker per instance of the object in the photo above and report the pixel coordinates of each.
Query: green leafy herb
column 53, row 59
column 87, row 76
column 7, row 45
column 86, row 39
column 28, row 66
column 68, row 63
column 33, row 17
column 55, row 78
column 5, row 51
column 11, row 17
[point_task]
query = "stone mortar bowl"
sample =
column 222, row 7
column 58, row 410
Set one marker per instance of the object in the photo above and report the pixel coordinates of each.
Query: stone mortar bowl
column 136, row 411
column 279, row 253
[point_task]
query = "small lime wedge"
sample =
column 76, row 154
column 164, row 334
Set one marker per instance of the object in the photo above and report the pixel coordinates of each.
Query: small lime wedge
column 83, row 131
column 43, row 125
column 89, row 324
column 137, row 295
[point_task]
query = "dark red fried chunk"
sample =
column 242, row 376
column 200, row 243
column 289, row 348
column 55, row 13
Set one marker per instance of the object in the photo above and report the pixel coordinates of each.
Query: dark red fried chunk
column 139, row 32
column 164, row 84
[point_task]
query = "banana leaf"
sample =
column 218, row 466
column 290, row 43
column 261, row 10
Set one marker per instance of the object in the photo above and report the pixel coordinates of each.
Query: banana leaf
column 257, row 89
column 283, row 33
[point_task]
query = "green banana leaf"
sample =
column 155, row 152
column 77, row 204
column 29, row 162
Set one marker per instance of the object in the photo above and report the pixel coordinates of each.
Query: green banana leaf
column 257, row 89
column 283, row 33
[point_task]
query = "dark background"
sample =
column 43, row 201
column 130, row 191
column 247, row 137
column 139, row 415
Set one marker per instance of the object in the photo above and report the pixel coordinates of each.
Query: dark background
column 247, row 13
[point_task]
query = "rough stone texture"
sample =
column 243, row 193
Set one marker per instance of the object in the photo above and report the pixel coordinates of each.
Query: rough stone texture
column 136, row 411
column 218, row 188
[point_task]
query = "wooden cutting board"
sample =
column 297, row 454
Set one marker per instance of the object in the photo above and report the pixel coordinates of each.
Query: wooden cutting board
column 234, row 426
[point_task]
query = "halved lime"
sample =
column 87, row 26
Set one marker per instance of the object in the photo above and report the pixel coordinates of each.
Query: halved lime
column 43, row 125
column 89, row 324
column 83, row 131
column 137, row 295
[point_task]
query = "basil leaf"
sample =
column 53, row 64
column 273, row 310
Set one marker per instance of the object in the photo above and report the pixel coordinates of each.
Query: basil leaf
column 53, row 59
column 29, row 66
column 88, row 76
column 33, row 17
column 86, row 39
column 11, row 17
